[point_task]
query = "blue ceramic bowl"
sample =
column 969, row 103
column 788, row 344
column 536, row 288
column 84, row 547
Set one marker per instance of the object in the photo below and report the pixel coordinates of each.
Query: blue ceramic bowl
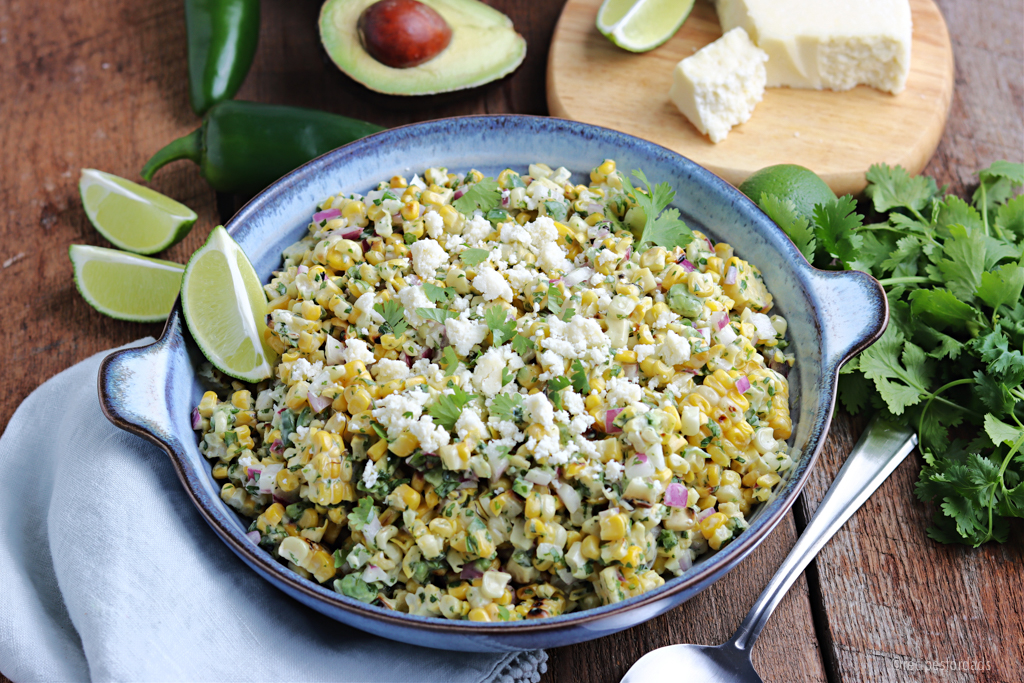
column 151, row 391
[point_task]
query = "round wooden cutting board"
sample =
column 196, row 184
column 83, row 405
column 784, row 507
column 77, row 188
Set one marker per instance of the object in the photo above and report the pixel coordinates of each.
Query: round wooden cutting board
column 836, row 134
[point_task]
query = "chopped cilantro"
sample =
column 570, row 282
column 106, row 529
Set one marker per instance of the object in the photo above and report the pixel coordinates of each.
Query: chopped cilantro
column 484, row 195
column 394, row 317
column 448, row 407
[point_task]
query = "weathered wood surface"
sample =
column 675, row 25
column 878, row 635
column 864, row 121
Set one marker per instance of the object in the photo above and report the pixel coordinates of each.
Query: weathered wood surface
column 101, row 83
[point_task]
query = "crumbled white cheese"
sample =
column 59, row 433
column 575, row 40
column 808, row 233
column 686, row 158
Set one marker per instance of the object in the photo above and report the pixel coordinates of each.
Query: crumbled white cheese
column 540, row 410
column 492, row 285
column 464, row 333
column 675, row 349
column 430, row 436
column 427, row 257
column 643, row 351
column 718, row 87
column 434, row 224
column 387, row 370
column 412, row 298
column 622, row 392
column 356, row 349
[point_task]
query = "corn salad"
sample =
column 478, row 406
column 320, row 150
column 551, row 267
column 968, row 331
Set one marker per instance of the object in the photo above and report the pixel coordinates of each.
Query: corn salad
column 490, row 405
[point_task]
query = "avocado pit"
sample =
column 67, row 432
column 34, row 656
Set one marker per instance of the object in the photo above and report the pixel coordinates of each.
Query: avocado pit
column 403, row 33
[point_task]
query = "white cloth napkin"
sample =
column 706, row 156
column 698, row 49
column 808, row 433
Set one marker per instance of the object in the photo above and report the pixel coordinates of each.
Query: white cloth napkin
column 107, row 573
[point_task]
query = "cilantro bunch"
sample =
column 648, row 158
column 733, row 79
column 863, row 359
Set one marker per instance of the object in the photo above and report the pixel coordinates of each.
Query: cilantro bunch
column 950, row 363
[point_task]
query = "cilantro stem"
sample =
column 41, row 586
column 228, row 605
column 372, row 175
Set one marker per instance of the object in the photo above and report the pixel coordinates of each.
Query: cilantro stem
column 1001, row 482
column 935, row 396
column 984, row 207
column 909, row 280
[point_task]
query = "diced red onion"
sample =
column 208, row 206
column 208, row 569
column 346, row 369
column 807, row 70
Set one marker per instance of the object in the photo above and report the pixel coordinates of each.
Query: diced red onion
column 458, row 194
column 704, row 514
column 317, row 402
column 639, row 466
column 538, row 477
column 281, row 499
column 352, row 233
column 719, row 320
column 730, row 275
column 629, row 253
column 373, row 573
column 676, row 496
column 742, row 384
column 470, row 572
column 405, row 358
column 333, row 352
column 254, row 536
column 710, row 246
column 687, row 266
column 555, row 281
column 468, row 484
column 570, row 497
column 686, row 560
column 577, row 276
column 631, row 370
column 593, row 207
column 326, row 215
column 504, row 198
column 277, row 446
column 706, row 333
column 197, row 419
column 609, row 418
column 302, row 270
column 251, row 472
column 371, row 528
column 428, row 353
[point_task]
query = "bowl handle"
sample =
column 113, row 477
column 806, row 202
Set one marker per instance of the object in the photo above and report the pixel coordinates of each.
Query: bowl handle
column 852, row 311
column 133, row 385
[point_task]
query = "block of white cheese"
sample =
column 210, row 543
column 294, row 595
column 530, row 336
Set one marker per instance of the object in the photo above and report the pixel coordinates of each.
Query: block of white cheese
column 834, row 44
column 719, row 86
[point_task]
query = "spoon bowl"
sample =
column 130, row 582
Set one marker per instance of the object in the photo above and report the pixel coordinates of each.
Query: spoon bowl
column 706, row 663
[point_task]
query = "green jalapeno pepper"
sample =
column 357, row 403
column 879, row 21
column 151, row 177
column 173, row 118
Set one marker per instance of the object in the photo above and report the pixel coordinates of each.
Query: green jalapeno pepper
column 245, row 146
column 222, row 36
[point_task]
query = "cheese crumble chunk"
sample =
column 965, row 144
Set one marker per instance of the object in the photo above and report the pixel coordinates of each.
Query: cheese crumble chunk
column 835, row 44
column 719, row 86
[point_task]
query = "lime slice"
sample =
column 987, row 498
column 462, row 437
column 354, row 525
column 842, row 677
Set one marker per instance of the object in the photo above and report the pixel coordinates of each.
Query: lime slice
column 641, row 25
column 133, row 217
column 789, row 181
column 126, row 286
column 226, row 309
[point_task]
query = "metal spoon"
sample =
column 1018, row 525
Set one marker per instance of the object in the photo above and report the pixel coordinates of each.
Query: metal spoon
column 881, row 448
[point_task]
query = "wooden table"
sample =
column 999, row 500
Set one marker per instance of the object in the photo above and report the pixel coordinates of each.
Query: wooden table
column 102, row 84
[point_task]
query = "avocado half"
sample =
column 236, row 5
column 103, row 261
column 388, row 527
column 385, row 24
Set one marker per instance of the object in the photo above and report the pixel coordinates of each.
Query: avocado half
column 484, row 47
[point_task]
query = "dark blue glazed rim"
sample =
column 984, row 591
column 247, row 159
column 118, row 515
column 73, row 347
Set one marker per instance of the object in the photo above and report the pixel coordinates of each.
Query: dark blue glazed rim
column 151, row 390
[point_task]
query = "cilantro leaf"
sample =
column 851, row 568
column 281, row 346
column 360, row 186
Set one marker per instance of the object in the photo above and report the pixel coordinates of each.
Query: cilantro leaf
column 994, row 394
column 394, row 317
column 580, row 383
column 1010, row 217
column 522, row 345
column 854, row 390
column 436, row 314
column 502, row 329
column 962, row 270
column 437, row 294
column 661, row 227
column 484, row 195
column 997, row 183
column 474, row 257
column 447, row 409
column 900, row 384
column 508, row 407
column 361, row 515
column 939, row 308
column 449, row 361
column 555, row 386
column 1001, row 286
column 797, row 228
column 1000, row 432
column 893, row 188
column 836, row 222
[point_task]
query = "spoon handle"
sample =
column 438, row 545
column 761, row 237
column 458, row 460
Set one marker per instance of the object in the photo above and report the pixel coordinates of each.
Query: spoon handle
column 881, row 448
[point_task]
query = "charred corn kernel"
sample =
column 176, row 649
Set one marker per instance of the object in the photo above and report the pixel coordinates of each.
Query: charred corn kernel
column 404, row 445
column 377, row 450
column 354, row 209
column 431, row 198
column 287, row 481
column 359, row 399
column 534, row 527
column 398, row 182
column 207, row 404
column 705, row 502
column 625, row 356
column 478, row 614
column 244, row 437
column 308, row 519
column 220, row 471
column 441, row 527
column 714, row 473
column 591, row 547
column 241, row 399
column 613, row 527
column 711, row 523
column 406, row 497
column 634, row 557
column 411, row 211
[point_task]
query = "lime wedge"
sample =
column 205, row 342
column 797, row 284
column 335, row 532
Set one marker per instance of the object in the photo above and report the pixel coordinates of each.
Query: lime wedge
column 641, row 25
column 125, row 286
column 133, row 217
column 225, row 309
